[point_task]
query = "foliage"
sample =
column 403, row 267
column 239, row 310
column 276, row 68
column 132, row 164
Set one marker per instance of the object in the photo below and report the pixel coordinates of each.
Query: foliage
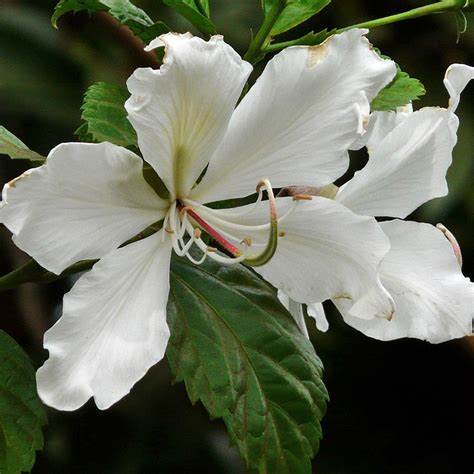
column 196, row 12
column 240, row 353
column 104, row 115
column 15, row 148
column 294, row 13
column 21, row 412
column 123, row 11
column 401, row 91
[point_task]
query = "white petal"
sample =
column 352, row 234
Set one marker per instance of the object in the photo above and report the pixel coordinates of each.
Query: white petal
column 380, row 125
column 297, row 122
column 326, row 251
column 409, row 155
column 113, row 328
column 433, row 300
column 182, row 110
column 86, row 200
column 456, row 79
column 295, row 309
column 316, row 311
column 406, row 168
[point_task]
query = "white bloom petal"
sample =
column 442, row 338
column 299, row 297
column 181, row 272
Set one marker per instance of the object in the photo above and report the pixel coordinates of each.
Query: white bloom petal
column 409, row 155
column 433, row 300
column 182, row 110
column 405, row 169
column 380, row 125
column 456, row 79
column 113, row 328
column 326, row 251
column 316, row 311
column 297, row 122
column 295, row 309
column 85, row 201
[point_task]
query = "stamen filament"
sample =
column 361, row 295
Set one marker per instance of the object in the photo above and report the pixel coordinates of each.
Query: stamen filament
column 232, row 225
column 272, row 243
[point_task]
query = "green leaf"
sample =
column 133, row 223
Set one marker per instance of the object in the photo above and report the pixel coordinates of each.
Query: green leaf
column 203, row 5
column 402, row 90
column 123, row 11
column 195, row 13
column 21, row 413
column 15, row 148
column 295, row 12
column 239, row 352
column 105, row 116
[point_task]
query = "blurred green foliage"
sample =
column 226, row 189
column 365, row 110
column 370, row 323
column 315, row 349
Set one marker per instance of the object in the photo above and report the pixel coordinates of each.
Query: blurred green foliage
column 401, row 407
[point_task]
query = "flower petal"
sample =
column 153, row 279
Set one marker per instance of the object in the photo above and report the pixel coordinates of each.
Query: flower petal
column 86, row 200
column 182, row 110
column 455, row 80
column 295, row 309
column 409, row 155
column 297, row 122
column 405, row 169
column 113, row 328
column 380, row 125
column 433, row 300
column 316, row 311
column 324, row 251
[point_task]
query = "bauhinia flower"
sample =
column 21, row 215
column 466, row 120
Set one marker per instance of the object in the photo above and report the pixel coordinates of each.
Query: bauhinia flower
column 295, row 125
column 409, row 155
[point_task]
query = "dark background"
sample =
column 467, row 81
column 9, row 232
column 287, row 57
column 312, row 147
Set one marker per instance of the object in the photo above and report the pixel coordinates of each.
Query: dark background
column 399, row 407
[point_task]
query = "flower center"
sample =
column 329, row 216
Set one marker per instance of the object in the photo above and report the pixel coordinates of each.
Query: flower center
column 187, row 220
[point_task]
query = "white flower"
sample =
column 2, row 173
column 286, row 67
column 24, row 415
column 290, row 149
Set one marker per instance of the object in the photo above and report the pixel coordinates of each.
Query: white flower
column 294, row 126
column 409, row 154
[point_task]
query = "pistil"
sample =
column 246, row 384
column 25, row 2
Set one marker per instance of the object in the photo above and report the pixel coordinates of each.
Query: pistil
column 222, row 241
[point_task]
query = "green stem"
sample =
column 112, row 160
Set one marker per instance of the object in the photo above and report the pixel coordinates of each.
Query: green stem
column 257, row 45
column 312, row 38
column 437, row 7
column 306, row 40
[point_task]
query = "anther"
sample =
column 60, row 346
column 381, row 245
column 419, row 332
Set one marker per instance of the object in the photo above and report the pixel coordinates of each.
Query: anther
column 211, row 249
column 184, row 209
column 302, row 197
column 197, row 233
column 281, row 234
column 169, row 231
column 247, row 241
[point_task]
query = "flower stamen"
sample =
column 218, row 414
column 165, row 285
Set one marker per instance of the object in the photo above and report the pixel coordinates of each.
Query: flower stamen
column 270, row 249
column 302, row 197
